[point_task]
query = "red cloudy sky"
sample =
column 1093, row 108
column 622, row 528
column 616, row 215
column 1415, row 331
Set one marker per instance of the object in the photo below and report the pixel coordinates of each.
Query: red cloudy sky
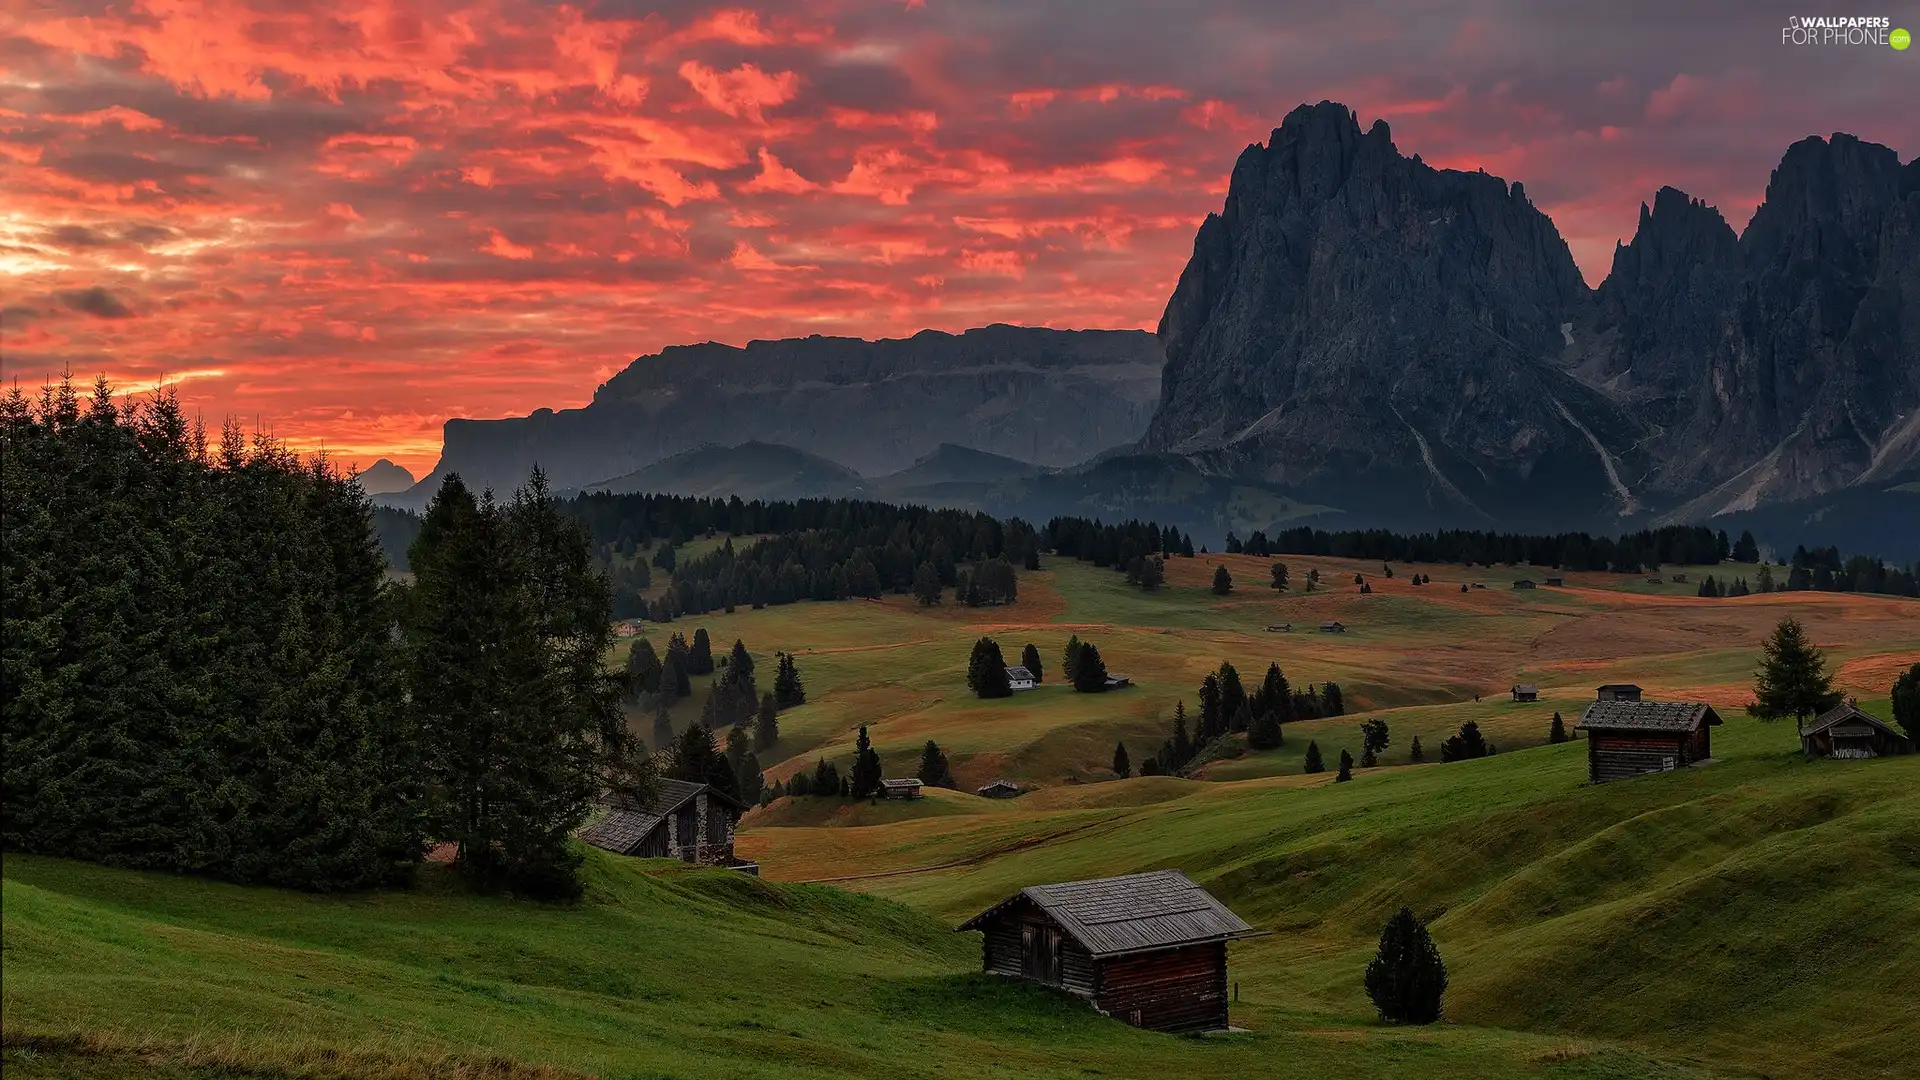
column 356, row 218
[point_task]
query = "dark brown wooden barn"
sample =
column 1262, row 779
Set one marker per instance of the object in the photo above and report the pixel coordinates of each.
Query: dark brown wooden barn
column 1149, row 949
column 1844, row 731
column 1629, row 738
column 686, row 821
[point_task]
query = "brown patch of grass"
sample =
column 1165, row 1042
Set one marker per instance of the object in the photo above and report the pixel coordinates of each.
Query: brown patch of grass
column 230, row 1056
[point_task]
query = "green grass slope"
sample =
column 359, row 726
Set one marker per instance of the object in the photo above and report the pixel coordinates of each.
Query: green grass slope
column 660, row 973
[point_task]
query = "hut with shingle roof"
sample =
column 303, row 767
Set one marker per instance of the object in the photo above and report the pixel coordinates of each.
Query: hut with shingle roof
column 681, row 820
column 1149, row 949
column 1629, row 738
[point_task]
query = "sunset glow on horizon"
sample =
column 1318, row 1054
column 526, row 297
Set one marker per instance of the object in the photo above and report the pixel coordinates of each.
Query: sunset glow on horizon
column 356, row 220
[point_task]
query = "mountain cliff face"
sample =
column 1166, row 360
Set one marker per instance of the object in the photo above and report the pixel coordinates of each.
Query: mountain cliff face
column 1355, row 315
column 1053, row 397
column 1356, row 320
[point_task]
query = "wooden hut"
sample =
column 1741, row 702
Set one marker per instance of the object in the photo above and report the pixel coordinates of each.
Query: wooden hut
column 1149, row 949
column 908, row 788
column 1844, row 731
column 1118, row 682
column 1629, row 738
column 999, row 789
column 1617, row 692
column 686, row 821
column 1523, row 583
column 1557, row 582
column 1526, row 691
column 1019, row 678
column 1332, row 628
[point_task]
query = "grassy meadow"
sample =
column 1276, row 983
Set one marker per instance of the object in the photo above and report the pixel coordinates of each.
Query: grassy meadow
column 1752, row 917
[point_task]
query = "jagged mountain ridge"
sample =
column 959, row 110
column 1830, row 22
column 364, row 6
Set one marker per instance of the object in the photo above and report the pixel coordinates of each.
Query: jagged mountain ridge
column 1355, row 318
column 1053, row 397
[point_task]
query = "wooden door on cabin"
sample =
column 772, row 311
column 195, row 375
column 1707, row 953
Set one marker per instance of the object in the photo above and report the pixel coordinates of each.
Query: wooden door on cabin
column 1040, row 947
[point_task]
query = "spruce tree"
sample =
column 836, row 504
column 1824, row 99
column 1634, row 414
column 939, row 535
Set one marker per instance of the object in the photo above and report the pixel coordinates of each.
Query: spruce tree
column 865, row 779
column 1212, row 718
column 662, row 727
column 740, row 665
column 1280, row 576
column 700, row 655
column 1233, row 696
column 1276, row 696
column 1374, row 737
column 1264, row 734
column 1090, row 672
column 934, row 771
column 788, row 691
column 1906, row 703
column 674, row 672
column 1406, row 979
column 1069, row 658
column 1414, row 753
column 926, row 585
column 643, row 669
column 1313, row 763
column 1122, row 767
column 1332, row 703
column 1466, row 744
column 1182, row 745
column 1793, row 679
column 1030, row 659
column 1222, row 581
column 1346, row 768
column 766, row 723
column 987, row 671
column 1558, row 732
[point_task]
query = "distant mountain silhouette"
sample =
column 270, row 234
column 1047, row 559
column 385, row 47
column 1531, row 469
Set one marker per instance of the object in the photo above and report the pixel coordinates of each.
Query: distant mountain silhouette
column 752, row 470
column 383, row 477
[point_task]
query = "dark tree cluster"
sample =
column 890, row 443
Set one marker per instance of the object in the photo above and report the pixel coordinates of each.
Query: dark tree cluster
column 1115, row 546
column 206, row 670
column 1824, row 570
column 1632, row 553
column 934, row 770
column 992, row 582
column 1256, row 545
column 1466, row 744
column 810, row 549
column 1082, row 666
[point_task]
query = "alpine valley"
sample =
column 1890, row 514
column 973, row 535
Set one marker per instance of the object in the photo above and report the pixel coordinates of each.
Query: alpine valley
column 1359, row 339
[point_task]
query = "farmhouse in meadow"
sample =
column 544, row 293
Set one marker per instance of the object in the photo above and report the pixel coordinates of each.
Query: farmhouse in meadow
column 1332, row 628
column 1618, row 692
column 1526, row 692
column 1523, row 583
column 1556, row 582
column 1844, row 731
column 686, row 821
column 999, row 789
column 1020, row 678
column 1149, row 949
column 1629, row 738
column 908, row 788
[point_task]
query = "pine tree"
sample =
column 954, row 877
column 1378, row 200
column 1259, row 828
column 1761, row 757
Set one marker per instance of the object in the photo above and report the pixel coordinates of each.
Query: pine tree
column 674, row 670
column 788, row 691
column 1331, row 701
column 1233, row 696
column 1406, row 979
column 926, row 585
column 1466, row 744
column 1264, row 734
column 740, row 667
column 1212, row 717
column 1906, row 703
column 1183, row 747
column 1373, row 741
column 1030, row 659
column 766, row 723
column 662, row 727
column 700, row 655
column 934, row 771
column 865, row 779
column 1280, row 576
column 1314, row 764
column 1222, row 581
column 1070, row 658
column 1558, row 732
column 643, row 669
column 1089, row 671
column 1122, row 767
column 1151, row 573
column 1415, row 754
column 751, row 781
column 1346, row 768
column 1745, row 550
column 1793, row 679
column 987, row 671
column 696, row 760
column 1276, row 696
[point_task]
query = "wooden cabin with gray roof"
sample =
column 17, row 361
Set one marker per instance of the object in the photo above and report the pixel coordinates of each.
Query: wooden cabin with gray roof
column 1149, row 949
column 1631, row 738
column 682, row 820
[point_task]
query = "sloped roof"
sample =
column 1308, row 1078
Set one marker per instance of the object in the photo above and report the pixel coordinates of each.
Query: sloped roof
column 1018, row 672
column 1845, row 712
column 1133, row 913
column 628, row 821
column 1619, row 686
column 1671, row 716
column 905, row 782
column 1526, row 688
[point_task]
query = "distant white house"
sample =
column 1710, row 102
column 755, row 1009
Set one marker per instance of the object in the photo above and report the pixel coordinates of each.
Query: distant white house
column 1019, row 678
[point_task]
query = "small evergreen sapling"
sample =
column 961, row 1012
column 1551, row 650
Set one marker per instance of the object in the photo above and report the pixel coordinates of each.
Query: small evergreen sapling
column 1314, row 764
column 1346, row 768
column 1406, row 978
column 1222, row 581
column 1558, row 732
column 1122, row 767
column 1414, row 753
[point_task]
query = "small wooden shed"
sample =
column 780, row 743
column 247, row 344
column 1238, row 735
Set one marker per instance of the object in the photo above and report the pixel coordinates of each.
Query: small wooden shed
column 1019, row 678
column 1526, row 691
column 1630, row 738
column 1557, row 582
column 1523, row 583
column 999, row 789
column 1332, row 628
column 1845, row 731
column 683, row 820
column 1149, row 949
column 908, row 788
column 1617, row 692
